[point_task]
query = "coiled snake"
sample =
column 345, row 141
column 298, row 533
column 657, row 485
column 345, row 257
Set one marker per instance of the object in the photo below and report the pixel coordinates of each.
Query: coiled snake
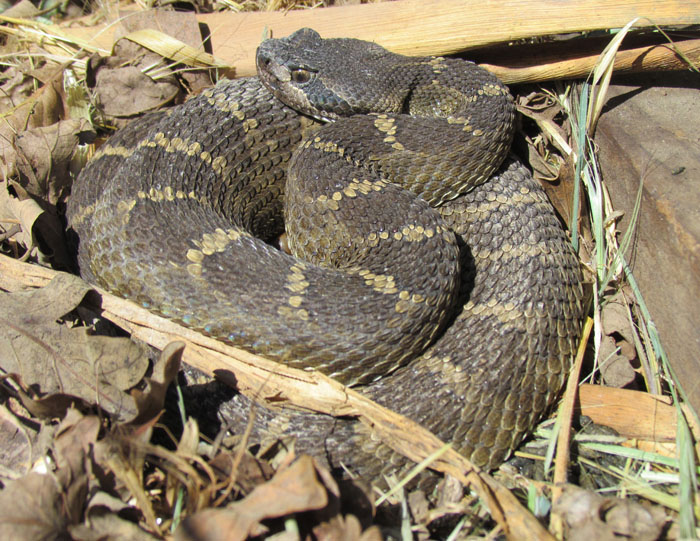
column 418, row 251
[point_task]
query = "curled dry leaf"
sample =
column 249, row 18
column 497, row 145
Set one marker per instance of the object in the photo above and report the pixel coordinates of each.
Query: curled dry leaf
column 549, row 152
column 29, row 224
column 15, row 89
column 616, row 350
column 346, row 528
column 72, row 445
column 40, row 157
column 22, row 443
column 614, row 366
column 53, row 358
column 588, row 515
column 21, row 213
column 151, row 400
column 42, row 108
column 298, row 488
column 249, row 472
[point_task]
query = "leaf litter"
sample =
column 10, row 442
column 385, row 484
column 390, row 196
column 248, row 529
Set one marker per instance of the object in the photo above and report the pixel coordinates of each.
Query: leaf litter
column 82, row 407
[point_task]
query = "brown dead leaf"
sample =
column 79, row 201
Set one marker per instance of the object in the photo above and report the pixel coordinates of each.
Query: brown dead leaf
column 75, row 436
column 548, row 152
column 42, row 108
column 295, row 489
column 127, row 91
column 53, row 358
column 588, row 515
column 181, row 25
column 150, row 401
column 40, row 157
column 72, row 445
column 109, row 527
column 104, row 521
column 21, row 213
column 121, row 83
column 616, row 350
column 22, row 10
column 346, row 528
column 616, row 319
column 19, row 446
column 250, row 472
column 16, row 88
column 614, row 367
column 31, row 508
column 28, row 223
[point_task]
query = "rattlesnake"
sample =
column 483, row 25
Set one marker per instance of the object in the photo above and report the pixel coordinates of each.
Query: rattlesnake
column 427, row 255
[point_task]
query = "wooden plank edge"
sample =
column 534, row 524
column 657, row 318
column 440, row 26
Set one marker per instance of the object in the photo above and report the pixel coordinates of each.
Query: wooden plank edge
column 422, row 27
column 633, row 414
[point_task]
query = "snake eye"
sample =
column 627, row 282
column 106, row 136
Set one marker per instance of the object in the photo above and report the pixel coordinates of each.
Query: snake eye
column 300, row 75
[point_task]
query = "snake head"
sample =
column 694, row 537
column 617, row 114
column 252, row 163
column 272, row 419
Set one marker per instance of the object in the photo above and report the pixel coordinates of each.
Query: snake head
column 326, row 78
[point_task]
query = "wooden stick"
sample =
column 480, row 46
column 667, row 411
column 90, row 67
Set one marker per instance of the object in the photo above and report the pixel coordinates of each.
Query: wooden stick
column 572, row 65
column 424, row 27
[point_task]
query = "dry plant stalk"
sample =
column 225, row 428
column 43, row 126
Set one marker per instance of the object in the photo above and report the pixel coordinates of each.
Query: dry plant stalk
column 658, row 57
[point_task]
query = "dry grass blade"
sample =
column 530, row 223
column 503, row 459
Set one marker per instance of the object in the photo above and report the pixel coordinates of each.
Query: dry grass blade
column 563, row 426
column 610, row 268
column 602, row 74
column 174, row 49
column 48, row 35
column 425, row 463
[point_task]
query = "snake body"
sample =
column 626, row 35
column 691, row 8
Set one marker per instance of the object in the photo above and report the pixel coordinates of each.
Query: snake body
column 419, row 250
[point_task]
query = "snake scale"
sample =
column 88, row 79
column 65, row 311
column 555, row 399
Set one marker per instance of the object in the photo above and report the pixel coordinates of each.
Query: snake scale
column 427, row 265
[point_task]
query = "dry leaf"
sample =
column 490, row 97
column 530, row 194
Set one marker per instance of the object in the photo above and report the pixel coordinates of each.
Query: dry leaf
column 31, row 508
column 126, row 91
column 53, row 358
column 151, row 400
column 15, row 89
column 346, row 528
column 19, row 445
column 22, row 10
column 588, row 515
column 29, row 224
column 614, row 367
column 616, row 319
column 180, row 25
column 40, row 157
column 43, row 108
column 250, row 472
column 23, row 213
column 122, row 85
column 72, row 447
column 616, row 349
column 103, row 522
column 293, row 490
column 109, row 527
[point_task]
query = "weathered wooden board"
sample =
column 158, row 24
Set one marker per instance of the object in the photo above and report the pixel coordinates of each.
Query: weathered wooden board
column 423, row 27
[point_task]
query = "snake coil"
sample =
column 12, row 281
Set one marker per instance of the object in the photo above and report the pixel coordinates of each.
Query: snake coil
column 420, row 251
